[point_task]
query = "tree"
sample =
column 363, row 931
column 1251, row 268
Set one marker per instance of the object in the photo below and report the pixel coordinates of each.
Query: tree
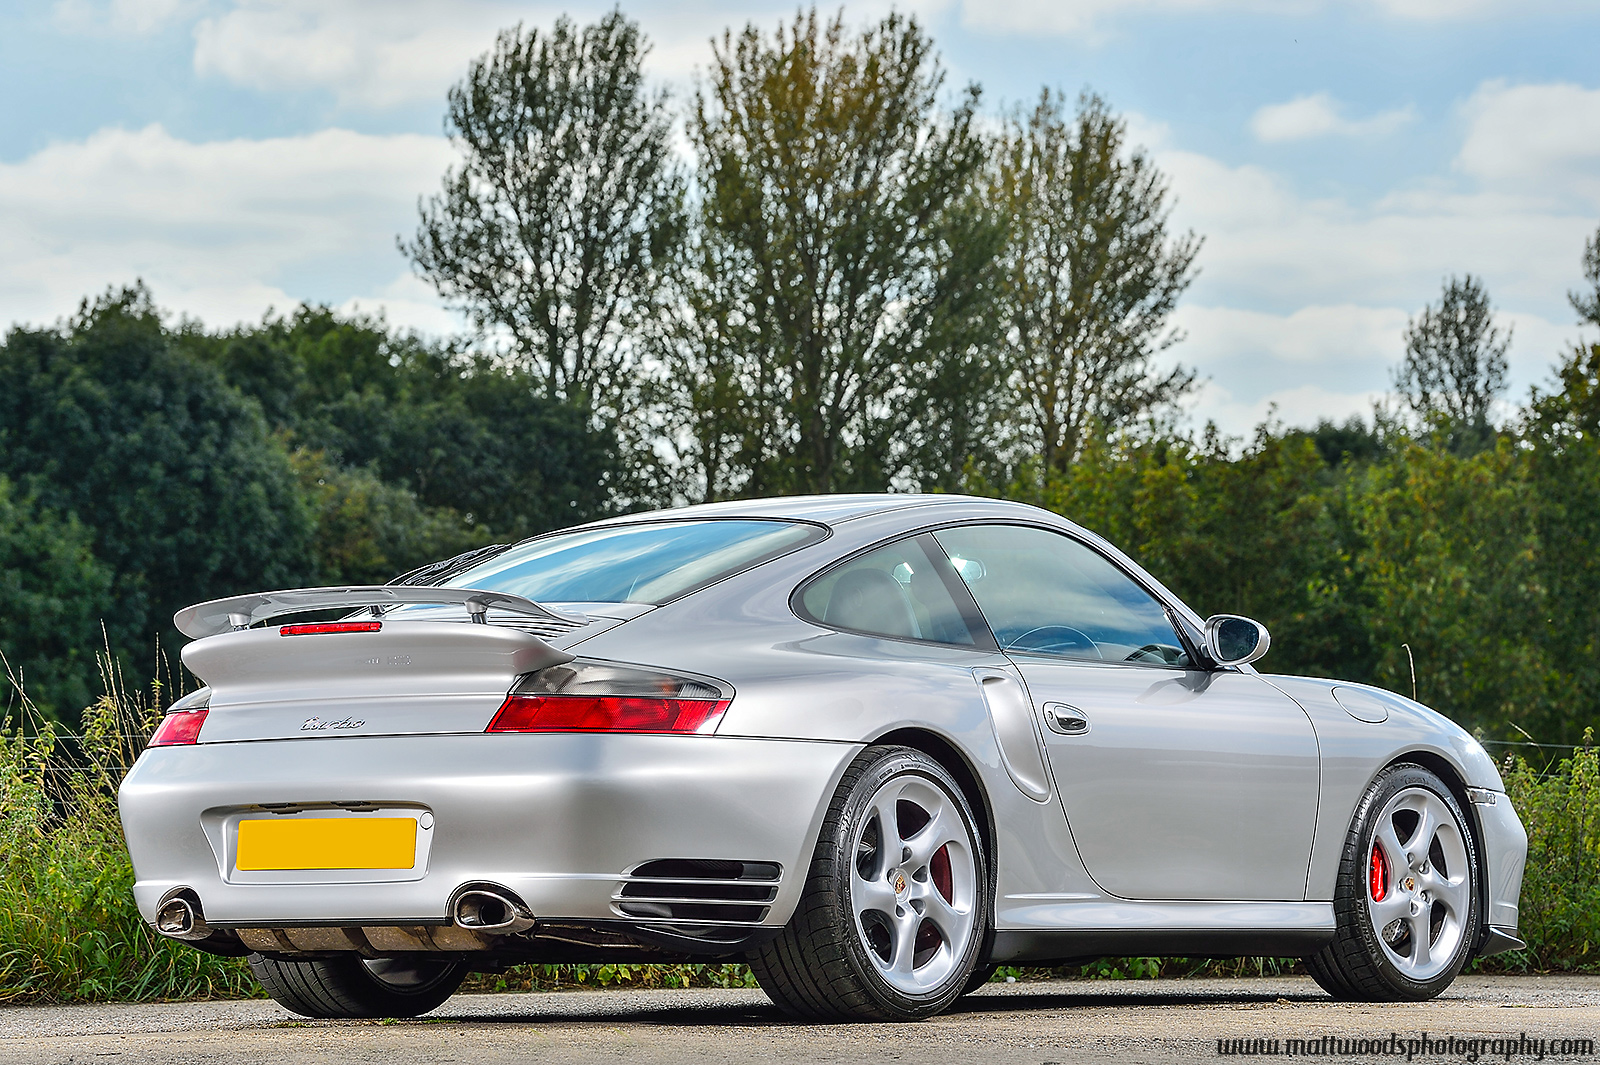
column 1091, row 277
column 1587, row 304
column 53, row 592
column 188, row 497
column 551, row 230
column 462, row 432
column 1455, row 364
column 831, row 328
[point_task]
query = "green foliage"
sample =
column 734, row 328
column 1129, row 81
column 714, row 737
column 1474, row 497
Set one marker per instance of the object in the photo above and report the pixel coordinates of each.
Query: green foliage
column 522, row 978
column 833, row 315
column 367, row 530
column 1455, row 364
column 53, row 592
column 1092, row 277
column 1560, row 915
column 463, row 433
column 108, row 420
column 1449, row 560
column 69, row 930
column 551, row 230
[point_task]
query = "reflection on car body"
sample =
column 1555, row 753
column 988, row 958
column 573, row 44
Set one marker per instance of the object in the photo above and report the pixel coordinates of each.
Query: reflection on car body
column 873, row 745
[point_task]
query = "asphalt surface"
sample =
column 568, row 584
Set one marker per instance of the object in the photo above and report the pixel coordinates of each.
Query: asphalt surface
column 1039, row 1023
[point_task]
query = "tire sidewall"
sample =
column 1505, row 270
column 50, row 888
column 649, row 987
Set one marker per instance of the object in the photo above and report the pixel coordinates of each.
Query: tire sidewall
column 889, row 764
column 1397, row 779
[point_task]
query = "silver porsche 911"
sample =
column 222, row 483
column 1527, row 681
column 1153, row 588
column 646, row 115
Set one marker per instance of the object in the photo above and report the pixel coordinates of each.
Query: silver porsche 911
column 873, row 745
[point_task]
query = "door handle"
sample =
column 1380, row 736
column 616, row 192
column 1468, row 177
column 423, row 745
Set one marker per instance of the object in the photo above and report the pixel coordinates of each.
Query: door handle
column 1065, row 720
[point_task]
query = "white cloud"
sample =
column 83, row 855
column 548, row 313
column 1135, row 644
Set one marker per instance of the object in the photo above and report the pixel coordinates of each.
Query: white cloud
column 1300, row 407
column 1319, row 115
column 367, row 52
column 136, row 17
column 1269, row 247
column 1089, row 16
column 1535, row 141
column 219, row 229
column 379, row 53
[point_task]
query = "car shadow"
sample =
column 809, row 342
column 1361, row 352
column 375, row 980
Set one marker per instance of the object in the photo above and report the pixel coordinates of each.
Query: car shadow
column 691, row 1015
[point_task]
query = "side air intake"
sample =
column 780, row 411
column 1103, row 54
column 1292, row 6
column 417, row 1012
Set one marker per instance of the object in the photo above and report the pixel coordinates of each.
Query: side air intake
column 699, row 891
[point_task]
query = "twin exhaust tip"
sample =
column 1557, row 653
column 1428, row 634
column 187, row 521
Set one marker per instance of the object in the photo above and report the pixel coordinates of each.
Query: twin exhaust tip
column 483, row 909
column 479, row 909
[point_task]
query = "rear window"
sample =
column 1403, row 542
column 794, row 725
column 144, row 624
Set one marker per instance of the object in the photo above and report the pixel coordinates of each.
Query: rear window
column 650, row 562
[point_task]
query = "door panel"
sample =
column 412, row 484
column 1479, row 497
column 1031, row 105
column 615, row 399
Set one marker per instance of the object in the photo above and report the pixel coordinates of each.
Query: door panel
column 1185, row 784
column 1178, row 783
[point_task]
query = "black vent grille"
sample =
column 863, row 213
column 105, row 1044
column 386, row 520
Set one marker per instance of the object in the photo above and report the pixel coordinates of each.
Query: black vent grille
column 699, row 891
column 541, row 627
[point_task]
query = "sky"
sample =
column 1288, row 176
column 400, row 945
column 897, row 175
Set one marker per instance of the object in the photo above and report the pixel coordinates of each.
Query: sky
column 1340, row 158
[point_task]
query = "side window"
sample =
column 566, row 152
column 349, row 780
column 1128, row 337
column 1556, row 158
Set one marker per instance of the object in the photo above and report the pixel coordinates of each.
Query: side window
column 902, row 590
column 1045, row 593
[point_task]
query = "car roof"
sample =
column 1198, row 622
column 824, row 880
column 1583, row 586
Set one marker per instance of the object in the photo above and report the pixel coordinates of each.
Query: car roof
column 825, row 509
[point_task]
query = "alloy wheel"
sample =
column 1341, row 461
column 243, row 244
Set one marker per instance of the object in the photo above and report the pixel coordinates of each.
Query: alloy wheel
column 1419, row 883
column 913, row 884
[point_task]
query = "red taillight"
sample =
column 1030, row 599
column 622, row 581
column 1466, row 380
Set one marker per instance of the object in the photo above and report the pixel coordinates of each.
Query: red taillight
column 605, row 713
column 1378, row 875
column 179, row 727
column 326, row 627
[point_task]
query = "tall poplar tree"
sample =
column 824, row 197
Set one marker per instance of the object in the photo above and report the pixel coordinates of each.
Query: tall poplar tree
column 832, row 325
column 1092, row 275
column 551, row 232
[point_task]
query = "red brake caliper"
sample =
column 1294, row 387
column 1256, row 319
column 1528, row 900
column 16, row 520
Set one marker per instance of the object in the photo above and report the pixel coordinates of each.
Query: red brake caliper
column 940, row 868
column 1378, row 875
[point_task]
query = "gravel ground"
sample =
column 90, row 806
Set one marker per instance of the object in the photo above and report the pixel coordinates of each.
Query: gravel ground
column 1041, row 1023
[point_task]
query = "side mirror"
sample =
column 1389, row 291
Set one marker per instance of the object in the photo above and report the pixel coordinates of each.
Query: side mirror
column 1233, row 641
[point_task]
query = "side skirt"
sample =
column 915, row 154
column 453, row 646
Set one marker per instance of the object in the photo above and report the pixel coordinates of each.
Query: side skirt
column 1062, row 930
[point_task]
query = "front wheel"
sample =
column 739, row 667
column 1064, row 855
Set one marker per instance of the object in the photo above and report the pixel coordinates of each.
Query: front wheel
column 894, row 911
column 352, row 986
column 1406, row 903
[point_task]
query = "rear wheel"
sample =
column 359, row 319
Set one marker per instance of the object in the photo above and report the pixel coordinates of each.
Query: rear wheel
column 892, row 919
column 1406, row 902
column 359, row 987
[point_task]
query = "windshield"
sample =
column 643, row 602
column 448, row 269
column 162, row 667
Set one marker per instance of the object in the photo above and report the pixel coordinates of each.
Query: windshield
column 646, row 563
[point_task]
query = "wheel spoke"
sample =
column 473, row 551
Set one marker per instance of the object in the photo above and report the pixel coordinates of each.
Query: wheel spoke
column 1393, row 850
column 1427, row 826
column 1421, row 940
column 874, row 894
column 1394, row 906
column 889, row 841
column 905, row 942
column 1453, row 893
column 944, row 827
column 948, row 919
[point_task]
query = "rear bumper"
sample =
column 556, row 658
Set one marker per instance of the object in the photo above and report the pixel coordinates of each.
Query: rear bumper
column 558, row 819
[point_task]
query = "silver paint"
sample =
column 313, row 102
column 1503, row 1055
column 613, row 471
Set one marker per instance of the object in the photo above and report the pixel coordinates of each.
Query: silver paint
column 1230, row 792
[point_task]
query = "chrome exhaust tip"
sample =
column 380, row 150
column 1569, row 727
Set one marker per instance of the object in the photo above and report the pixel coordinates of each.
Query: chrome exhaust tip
column 488, row 910
column 179, row 918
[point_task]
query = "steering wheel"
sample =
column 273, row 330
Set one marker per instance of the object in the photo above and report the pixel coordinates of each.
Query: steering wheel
column 1159, row 653
column 1055, row 639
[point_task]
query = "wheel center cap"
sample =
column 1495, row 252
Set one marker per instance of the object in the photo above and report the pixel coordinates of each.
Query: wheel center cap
column 1410, row 883
column 898, row 882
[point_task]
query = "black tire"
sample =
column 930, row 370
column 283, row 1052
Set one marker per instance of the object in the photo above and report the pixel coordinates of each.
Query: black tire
column 1368, row 963
column 819, row 968
column 980, row 976
column 357, row 987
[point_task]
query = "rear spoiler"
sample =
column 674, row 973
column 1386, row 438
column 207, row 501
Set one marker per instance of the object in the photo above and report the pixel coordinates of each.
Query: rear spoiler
column 242, row 611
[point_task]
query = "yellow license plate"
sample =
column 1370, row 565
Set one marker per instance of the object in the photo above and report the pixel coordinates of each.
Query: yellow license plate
column 328, row 843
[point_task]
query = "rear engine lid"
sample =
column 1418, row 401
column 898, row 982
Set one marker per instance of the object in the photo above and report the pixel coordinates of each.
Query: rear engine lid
column 360, row 677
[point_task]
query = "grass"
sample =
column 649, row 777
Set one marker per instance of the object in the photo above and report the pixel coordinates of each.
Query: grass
column 69, row 931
